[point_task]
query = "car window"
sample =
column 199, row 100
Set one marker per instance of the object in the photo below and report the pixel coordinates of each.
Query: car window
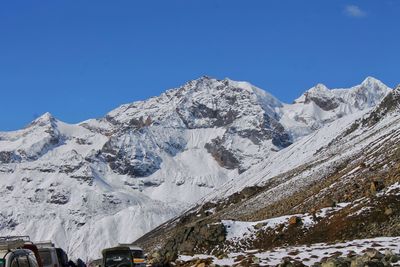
column 2, row 262
column 45, row 255
column 118, row 259
column 23, row 261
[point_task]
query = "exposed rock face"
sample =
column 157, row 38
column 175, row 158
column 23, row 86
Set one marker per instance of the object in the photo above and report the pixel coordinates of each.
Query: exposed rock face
column 223, row 156
column 59, row 198
column 244, row 111
column 9, row 157
column 389, row 104
column 132, row 154
column 192, row 239
column 323, row 97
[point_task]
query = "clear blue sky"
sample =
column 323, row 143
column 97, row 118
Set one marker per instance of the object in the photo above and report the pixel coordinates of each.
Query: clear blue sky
column 80, row 59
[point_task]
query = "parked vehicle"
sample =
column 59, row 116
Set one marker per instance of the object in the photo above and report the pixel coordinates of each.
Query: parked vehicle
column 12, row 253
column 48, row 254
column 62, row 257
column 123, row 255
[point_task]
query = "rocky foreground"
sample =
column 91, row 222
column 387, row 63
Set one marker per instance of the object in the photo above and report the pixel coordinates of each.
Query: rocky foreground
column 382, row 251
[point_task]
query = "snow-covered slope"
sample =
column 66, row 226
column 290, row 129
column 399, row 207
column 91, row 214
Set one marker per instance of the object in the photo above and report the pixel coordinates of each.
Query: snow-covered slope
column 54, row 188
column 90, row 185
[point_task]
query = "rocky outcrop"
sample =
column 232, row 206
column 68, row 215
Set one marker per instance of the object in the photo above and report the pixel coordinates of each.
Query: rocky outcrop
column 222, row 155
column 133, row 153
column 391, row 103
column 9, row 157
column 322, row 97
column 203, row 236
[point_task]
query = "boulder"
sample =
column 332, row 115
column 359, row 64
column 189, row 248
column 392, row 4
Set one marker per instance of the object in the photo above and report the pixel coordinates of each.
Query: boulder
column 376, row 186
column 388, row 211
column 336, row 262
column 328, row 264
column 294, row 220
column 374, row 254
column 239, row 258
column 357, row 262
column 259, row 225
column 394, row 258
column 374, row 263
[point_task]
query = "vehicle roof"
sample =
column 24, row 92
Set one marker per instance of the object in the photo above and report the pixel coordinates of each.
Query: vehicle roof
column 132, row 247
column 24, row 238
column 46, row 249
column 115, row 249
column 44, row 244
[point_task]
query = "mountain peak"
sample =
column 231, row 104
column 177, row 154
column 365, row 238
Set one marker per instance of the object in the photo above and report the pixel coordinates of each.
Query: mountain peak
column 202, row 79
column 207, row 84
column 227, row 82
column 318, row 88
column 370, row 81
column 205, row 77
column 45, row 119
column 372, row 87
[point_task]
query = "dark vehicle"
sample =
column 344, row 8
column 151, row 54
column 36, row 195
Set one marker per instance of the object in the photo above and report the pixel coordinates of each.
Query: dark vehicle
column 123, row 256
column 62, row 257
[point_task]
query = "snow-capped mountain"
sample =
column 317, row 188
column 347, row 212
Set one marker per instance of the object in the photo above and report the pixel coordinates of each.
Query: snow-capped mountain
column 319, row 105
column 90, row 185
column 338, row 183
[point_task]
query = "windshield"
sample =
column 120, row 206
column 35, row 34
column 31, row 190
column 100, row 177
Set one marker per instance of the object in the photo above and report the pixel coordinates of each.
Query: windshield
column 2, row 262
column 138, row 254
column 118, row 259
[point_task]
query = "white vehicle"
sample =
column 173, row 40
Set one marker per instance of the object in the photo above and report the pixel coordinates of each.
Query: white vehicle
column 13, row 255
column 48, row 254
